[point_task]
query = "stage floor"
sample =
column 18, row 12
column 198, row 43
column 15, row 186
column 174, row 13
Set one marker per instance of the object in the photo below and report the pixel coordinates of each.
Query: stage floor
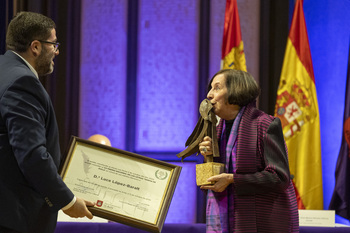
column 83, row 227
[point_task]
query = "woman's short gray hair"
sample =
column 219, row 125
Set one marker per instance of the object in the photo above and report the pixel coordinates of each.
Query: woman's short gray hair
column 242, row 88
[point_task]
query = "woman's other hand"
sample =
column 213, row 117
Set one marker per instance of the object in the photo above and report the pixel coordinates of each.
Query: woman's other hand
column 221, row 182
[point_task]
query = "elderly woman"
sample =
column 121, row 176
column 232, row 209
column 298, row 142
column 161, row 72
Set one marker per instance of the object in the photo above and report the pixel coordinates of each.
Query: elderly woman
column 255, row 194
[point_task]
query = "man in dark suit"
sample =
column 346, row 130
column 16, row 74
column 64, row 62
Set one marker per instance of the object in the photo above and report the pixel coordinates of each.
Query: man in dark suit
column 31, row 190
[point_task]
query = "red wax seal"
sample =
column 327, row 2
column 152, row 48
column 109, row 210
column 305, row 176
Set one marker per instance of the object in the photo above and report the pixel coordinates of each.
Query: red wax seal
column 99, row 203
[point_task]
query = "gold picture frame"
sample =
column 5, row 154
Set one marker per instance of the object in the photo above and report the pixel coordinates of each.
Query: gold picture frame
column 127, row 188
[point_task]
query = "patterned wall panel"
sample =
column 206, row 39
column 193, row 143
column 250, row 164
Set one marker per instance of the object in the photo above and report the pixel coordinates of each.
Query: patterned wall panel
column 184, row 203
column 167, row 74
column 103, row 69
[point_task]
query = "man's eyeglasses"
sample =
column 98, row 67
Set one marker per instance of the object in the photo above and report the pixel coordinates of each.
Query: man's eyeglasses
column 55, row 44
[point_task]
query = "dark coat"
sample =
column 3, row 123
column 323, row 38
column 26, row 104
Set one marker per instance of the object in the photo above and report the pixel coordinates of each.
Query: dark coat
column 264, row 196
column 31, row 190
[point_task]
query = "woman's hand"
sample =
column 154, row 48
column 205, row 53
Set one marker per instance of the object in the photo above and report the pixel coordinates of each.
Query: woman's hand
column 221, row 182
column 205, row 147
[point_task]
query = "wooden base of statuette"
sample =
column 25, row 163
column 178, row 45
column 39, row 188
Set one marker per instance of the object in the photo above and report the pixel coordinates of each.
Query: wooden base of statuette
column 206, row 170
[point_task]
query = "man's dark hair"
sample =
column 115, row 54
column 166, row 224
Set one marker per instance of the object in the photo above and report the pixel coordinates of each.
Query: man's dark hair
column 26, row 27
column 242, row 88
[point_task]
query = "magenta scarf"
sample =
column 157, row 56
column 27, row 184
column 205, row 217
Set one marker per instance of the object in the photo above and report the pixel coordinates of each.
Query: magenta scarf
column 220, row 208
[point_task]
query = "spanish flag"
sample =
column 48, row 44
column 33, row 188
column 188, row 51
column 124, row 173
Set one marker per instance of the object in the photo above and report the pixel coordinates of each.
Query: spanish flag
column 297, row 107
column 232, row 45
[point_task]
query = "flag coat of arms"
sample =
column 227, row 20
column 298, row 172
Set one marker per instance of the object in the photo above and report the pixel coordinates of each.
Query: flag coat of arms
column 297, row 107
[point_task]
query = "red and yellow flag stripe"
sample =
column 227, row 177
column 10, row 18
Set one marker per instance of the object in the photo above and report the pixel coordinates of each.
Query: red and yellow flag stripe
column 232, row 45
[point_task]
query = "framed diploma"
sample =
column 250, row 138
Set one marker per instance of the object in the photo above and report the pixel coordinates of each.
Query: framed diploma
column 127, row 188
